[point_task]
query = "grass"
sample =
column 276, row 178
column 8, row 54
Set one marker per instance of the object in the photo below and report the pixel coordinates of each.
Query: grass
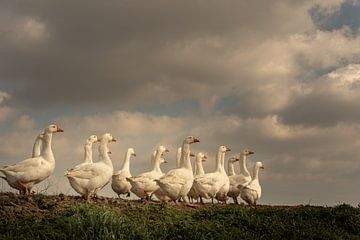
column 212, row 222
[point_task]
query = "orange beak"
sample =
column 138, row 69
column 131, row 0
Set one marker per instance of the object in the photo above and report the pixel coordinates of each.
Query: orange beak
column 113, row 139
column 59, row 129
column 167, row 150
column 196, row 140
column 228, row 149
column 192, row 155
column 251, row 152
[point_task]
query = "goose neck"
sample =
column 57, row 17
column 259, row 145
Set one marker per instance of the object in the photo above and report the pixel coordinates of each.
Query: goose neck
column 157, row 159
column 37, row 147
column 88, row 153
column 199, row 170
column 243, row 168
column 126, row 163
column 185, row 156
column 46, row 151
column 256, row 172
column 231, row 170
column 103, row 153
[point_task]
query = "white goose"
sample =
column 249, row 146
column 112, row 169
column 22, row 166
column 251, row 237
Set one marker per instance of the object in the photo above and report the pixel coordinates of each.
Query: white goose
column 199, row 171
column 119, row 183
column 31, row 171
column 252, row 192
column 177, row 182
column 88, row 159
column 209, row 184
column 144, row 185
column 92, row 177
column 231, row 173
column 243, row 179
column 35, row 153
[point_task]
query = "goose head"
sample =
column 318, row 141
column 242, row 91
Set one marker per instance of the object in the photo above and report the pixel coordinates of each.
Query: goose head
column 107, row 137
column 53, row 128
column 224, row 149
column 259, row 165
column 247, row 152
column 234, row 159
column 202, row 157
column 161, row 149
column 92, row 139
column 132, row 152
column 191, row 139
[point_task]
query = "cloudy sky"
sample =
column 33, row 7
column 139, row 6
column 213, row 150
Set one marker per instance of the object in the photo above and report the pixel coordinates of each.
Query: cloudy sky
column 279, row 77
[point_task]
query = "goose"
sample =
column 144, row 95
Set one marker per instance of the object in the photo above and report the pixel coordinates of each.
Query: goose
column 88, row 159
column 35, row 153
column 31, row 171
column 252, row 192
column 199, row 171
column 159, row 193
column 119, row 183
column 143, row 185
column 242, row 179
column 92, row 177
column 177, row 182
column 231, row 173
column 209, row 184
column 221, row 195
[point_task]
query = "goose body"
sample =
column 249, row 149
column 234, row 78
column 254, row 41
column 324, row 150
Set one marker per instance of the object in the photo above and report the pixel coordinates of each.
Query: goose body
column 242, row 179
column 119, row 183
column 92, row 177
column 177, row 182
column 144, row 185
column 31, row 171
column 251, row 193
column 209, row 184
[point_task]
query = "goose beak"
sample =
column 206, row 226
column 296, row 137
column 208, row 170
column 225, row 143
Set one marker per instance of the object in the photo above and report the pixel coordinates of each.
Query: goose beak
column 237, row 159
column 196, row 140
column 192, row 155
column 251, row 152
column 59, row 129
column 204, row 159
column 228, row 149
column 113, row 139
column 165, row 161
column 109, row 152
column 167, row 150
column 98, row 139
column 262, row 167
column 134, row 154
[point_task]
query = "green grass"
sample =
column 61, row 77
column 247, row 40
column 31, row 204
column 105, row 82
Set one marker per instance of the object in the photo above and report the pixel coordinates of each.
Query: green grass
column 157, row 222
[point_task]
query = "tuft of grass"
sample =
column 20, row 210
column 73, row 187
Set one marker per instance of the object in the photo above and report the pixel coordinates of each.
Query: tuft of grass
column 212, row 222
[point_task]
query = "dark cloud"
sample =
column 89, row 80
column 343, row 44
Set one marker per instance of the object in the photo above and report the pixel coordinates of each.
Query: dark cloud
column 67, row 52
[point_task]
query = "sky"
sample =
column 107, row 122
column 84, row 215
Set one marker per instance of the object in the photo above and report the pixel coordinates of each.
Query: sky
column 279, row 77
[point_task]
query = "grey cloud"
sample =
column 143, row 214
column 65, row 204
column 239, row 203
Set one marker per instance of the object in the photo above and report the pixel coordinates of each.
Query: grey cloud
column 119, row 50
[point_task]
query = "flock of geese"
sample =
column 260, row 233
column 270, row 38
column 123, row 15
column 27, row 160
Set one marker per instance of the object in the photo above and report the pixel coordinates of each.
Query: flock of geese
column 88, row 177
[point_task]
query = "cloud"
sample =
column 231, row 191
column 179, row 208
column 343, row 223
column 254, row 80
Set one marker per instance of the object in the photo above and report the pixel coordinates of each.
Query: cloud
column 5, row 111
column 327, row 101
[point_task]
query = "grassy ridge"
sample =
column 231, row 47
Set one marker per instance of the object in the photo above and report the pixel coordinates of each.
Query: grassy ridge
column 159, row 222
